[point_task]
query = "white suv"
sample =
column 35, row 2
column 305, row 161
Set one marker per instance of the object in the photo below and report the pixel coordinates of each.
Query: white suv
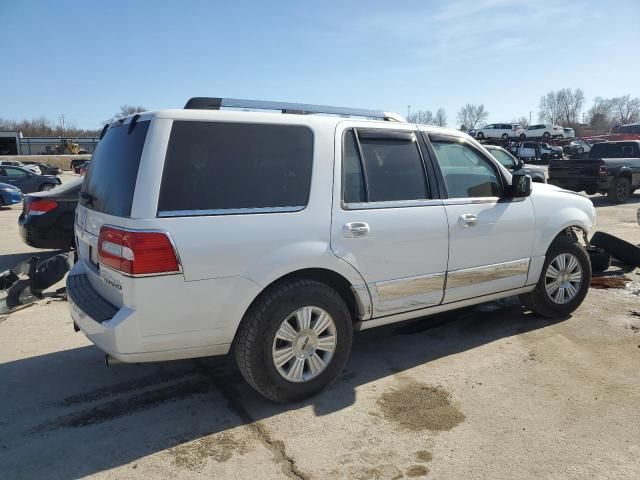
column 501, row 130
column 545, row 130
column 274, row 235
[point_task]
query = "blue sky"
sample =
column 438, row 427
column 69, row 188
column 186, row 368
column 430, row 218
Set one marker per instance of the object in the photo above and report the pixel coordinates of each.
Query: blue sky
column 85, row 59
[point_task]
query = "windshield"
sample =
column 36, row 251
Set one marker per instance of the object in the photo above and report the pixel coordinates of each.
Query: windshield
column 111, row 179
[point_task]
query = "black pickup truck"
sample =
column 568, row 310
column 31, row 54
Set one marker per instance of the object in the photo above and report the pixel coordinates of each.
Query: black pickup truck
column 611, row 167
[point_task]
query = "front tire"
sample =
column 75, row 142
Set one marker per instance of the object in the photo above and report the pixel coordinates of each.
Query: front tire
column 564, row 281
column 546, row 135
column 294, row 340
column 480, row 136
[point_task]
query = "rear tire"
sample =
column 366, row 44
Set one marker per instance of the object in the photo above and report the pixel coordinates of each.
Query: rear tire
column 45, row 187
column 546, row 135
column 480, row 136
column 620, row 190
column 573, row 280
column 276, row 322
column 505, row 137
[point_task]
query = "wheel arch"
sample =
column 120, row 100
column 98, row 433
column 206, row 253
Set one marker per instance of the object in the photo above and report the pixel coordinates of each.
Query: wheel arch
column 356, row 297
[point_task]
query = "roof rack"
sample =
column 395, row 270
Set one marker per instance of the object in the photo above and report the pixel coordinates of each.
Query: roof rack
column 214, row 103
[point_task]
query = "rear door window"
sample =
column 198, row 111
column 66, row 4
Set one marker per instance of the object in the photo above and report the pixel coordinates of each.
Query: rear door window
column 390, row 169
column 227, row 168
column 111, row 179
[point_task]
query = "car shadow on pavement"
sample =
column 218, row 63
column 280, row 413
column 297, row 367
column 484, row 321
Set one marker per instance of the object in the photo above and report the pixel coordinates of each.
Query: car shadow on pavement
column 64, row 415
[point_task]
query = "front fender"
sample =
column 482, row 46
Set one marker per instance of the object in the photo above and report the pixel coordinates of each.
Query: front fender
column 557, row 210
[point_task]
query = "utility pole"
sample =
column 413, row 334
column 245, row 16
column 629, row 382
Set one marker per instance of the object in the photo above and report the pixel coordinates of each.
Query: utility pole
column 408, row 111
column 530, row 112
column 62, row 122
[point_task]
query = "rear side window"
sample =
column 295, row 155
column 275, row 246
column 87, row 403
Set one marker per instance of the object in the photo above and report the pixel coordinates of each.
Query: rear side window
column 111, row 179
column 221, row 168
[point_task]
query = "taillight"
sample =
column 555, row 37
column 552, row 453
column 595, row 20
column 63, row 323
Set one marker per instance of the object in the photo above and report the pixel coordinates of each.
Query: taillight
column 602, row 170
column 137, row 253
column 39, row 207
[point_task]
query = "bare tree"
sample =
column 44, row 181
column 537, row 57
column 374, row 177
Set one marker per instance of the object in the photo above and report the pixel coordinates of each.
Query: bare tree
column 625, row 109
column 441, row 118
column 562, row 107
column 522, row 121
column 125, row 111
column 472, row 115
column 599, row 116
column 424, row 117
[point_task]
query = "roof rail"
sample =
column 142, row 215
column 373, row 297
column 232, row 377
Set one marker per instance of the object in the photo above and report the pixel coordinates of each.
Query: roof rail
column 214, row 103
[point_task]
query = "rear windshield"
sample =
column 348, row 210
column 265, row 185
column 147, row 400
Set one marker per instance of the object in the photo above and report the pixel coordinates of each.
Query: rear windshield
column 111, row 179
column 614, row 150
column 228, row 168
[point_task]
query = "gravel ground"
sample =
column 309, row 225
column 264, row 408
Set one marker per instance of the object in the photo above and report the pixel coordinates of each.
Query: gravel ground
column 486, row 392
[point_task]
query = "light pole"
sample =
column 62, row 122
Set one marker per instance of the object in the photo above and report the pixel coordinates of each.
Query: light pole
column 530, row 112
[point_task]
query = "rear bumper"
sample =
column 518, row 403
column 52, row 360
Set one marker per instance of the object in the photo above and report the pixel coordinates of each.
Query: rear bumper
column 40, row 233
column 116, row 331
column 578, row 184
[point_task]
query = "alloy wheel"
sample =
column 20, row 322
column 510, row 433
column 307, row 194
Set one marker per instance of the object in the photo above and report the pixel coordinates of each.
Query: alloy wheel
column 304, row 344
column 563, row 278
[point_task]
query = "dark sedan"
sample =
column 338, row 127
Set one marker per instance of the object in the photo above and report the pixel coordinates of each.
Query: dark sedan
column 47, row 217
column 45, row 168
column 27, row 181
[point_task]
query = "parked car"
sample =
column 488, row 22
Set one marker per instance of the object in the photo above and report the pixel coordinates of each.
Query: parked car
column 569, row 133
column 9, row 195
column 578, row 147
column 536, row 151
column 515, row 165
column 544, row 130
column 203, row 231
column 81, row 168
column 501, row 130
column 13, row 163
column 27, row 181
column 610, row 167
column 45, row 169
column 76, row 162
column 47, row 218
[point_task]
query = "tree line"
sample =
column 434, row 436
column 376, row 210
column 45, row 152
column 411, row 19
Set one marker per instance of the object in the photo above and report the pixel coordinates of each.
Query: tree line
column 44, row 127
column 563, row 107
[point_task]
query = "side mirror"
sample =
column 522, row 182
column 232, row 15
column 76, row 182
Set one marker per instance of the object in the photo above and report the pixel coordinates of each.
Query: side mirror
column 520, row 186
column 519, row 164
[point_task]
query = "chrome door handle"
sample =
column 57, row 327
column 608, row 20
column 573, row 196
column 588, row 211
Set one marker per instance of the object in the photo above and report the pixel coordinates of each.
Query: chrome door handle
column 355, row 229
column 468, row 220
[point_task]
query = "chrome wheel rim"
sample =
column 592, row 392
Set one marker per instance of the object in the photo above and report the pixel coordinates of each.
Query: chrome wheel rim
column 304, row 344
column 563, row 278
